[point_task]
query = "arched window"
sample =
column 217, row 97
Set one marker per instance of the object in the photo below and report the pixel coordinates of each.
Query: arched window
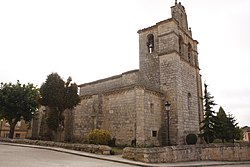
column 189, row 52
column 180, row 45
column 150, row 43
column 189, row 101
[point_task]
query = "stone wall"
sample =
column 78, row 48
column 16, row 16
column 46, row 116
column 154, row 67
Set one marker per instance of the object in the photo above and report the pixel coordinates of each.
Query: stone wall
column 179, row 79
column 91, row 148
column 179, row 13
column 129, row 113
column 169, row 66
column 119, row 115
column 189, row 121
column 83, row 118
column 149, row 62
column 111, row 83
column 152, row 118
column 212, row 152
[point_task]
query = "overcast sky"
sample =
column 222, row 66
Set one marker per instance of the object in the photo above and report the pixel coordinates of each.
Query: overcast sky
column 91, row 40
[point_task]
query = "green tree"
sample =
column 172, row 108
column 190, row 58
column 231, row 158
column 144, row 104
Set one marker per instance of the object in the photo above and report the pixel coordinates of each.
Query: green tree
column 221, row 126
column 18, row 102
column 225, row 127
column 234, row 131
column 58, row 96
column 207, row 131
column 239, row 133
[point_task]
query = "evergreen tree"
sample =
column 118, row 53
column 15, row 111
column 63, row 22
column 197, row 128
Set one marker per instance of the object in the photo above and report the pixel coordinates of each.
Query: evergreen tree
column 239, row 133
column 207, row 128
column 221, row 126
column 58, row 96
column 225, row 127
column 234, row 131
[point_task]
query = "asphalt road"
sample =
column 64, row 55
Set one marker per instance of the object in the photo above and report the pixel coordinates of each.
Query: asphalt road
column 242, row 165
column 12, row 156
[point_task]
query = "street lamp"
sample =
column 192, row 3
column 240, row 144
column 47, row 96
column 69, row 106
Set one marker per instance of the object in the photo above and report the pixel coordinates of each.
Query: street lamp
column 167, row 108
column 1, row 128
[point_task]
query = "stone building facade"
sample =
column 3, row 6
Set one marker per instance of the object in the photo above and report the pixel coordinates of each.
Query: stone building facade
column 21, row 129
column 246, row 133
column 131, row 105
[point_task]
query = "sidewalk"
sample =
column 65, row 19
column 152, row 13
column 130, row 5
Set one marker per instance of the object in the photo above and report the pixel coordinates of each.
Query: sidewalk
column 119, row 159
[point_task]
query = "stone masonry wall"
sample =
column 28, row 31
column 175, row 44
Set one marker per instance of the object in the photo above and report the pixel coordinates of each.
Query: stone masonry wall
column 169, row 70
column 179, row 79
column 179, row 13
column 153, row 113
column 130, row 113
column 149, row 62
column 119, row 115
column 212, row 152
column 113, row 111
column 111, row 83
column 91, row 148
column 189, row 115
column 84, row 118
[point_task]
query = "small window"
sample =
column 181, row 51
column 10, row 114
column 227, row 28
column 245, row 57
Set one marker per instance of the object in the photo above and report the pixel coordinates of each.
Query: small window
column 154, row 133
column 18, row 135
column 152, row 107
column 189, row 101
column 189, row 52
column 180, row 45
column 150, row 43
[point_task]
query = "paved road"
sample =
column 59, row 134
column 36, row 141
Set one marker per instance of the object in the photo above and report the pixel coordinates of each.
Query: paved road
column 12, row 156
column 242, row 165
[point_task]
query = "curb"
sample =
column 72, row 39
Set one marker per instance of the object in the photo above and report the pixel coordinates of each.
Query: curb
column 117, row 159
column 84, row 154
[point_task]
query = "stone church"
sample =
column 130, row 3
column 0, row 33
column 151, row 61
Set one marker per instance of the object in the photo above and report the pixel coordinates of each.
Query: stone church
column 134, row 106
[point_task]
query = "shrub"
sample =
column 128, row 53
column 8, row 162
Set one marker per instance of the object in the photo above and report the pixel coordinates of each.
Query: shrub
column 99, row 136
column 112, row 142
column 191, row 139
column 208, row 139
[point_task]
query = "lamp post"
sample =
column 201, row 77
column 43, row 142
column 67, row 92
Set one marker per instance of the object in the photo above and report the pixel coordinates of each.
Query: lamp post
column 31, row 124
column 167, row 108
column 1, row 128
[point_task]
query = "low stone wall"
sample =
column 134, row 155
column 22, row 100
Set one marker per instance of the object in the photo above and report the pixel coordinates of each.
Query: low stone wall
column 211, row 152
column 91, row 148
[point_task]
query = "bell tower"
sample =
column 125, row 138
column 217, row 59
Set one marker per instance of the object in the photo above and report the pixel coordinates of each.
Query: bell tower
column 169, row 63
column 179, row 14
